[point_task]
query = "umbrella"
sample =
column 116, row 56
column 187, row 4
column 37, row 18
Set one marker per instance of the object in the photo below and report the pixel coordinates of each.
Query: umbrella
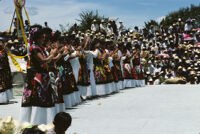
column 164, row 55
column 198, row 29
column 185, row 35
column 188, row 38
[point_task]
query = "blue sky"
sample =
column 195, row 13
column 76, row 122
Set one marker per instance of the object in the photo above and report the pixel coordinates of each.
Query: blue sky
column 131, row 12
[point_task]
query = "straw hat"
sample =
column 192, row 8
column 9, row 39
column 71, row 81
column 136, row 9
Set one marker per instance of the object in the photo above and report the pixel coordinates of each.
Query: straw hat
column 102, row 20
column 180, row 67
column 107, row 40
column 150, row 79
column 73, row 33
column 143, row 60
column 192, row 72
column 170, row 36
column 189, row 68
column 45, row 128
column 129, row 39
column 9, row 126
column 10, row 42
column 16, row 41
column 81, row 38
column 187, row 61
column 50, row 126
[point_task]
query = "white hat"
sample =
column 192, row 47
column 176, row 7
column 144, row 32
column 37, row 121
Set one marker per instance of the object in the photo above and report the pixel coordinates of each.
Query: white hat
column 129, row 39
column 16, row 41
column 10, row 42
column 73, row 33
column 43, row 128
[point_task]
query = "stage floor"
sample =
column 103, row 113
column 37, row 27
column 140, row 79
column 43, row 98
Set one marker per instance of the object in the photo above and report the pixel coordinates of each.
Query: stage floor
column 164, row 109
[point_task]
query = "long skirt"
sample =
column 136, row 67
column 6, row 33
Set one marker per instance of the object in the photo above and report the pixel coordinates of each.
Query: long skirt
column 39, row 98
column 129, row 80
column 100, row 79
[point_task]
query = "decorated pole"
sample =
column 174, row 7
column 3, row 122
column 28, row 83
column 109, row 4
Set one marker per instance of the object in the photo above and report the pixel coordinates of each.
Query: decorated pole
column 19, row 5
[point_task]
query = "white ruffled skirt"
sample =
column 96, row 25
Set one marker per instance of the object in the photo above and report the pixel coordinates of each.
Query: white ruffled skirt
column 101, row 89
column 93, row 85
column 6, row 96
column 129, row 83
column 68, row 100
column 77, row 97
column 38, row 115
column 85, row 91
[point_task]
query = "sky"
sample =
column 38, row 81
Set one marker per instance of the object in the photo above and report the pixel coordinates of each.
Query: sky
column 55, row 12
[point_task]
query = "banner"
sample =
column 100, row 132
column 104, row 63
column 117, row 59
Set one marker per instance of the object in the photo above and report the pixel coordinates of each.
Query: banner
column 16, row 64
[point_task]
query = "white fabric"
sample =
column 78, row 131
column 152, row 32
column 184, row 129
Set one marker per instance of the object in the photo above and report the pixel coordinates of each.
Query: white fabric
column 137, row 83
column 109, row 31
column 75, row 65
column 129, row 83
column 95, row 53
column 66, row 57
column 77, row 97
column 110, row 62
column 120, row 85
column 73, row 98
column 95, row 27
column 188, row 27
column 68, row 100
column 93, row 83
column 89, row 92
column 60, row 107
column 6, row 96
column 114, row 87
column 101, row 89
column 89, row 60
column 38, row 115
column 103, row 27
column 85, row 91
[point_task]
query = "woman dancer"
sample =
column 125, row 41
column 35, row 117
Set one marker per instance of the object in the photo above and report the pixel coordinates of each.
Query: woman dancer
column 39, row 98
column 6, row 92
column 99, row 72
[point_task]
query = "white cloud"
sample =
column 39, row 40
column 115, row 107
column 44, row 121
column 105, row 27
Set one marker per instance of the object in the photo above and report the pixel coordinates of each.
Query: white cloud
column 53, row 11
column 57, row 12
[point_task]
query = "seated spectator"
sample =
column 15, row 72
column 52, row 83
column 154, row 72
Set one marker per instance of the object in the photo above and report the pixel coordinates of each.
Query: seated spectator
column 62, row 122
